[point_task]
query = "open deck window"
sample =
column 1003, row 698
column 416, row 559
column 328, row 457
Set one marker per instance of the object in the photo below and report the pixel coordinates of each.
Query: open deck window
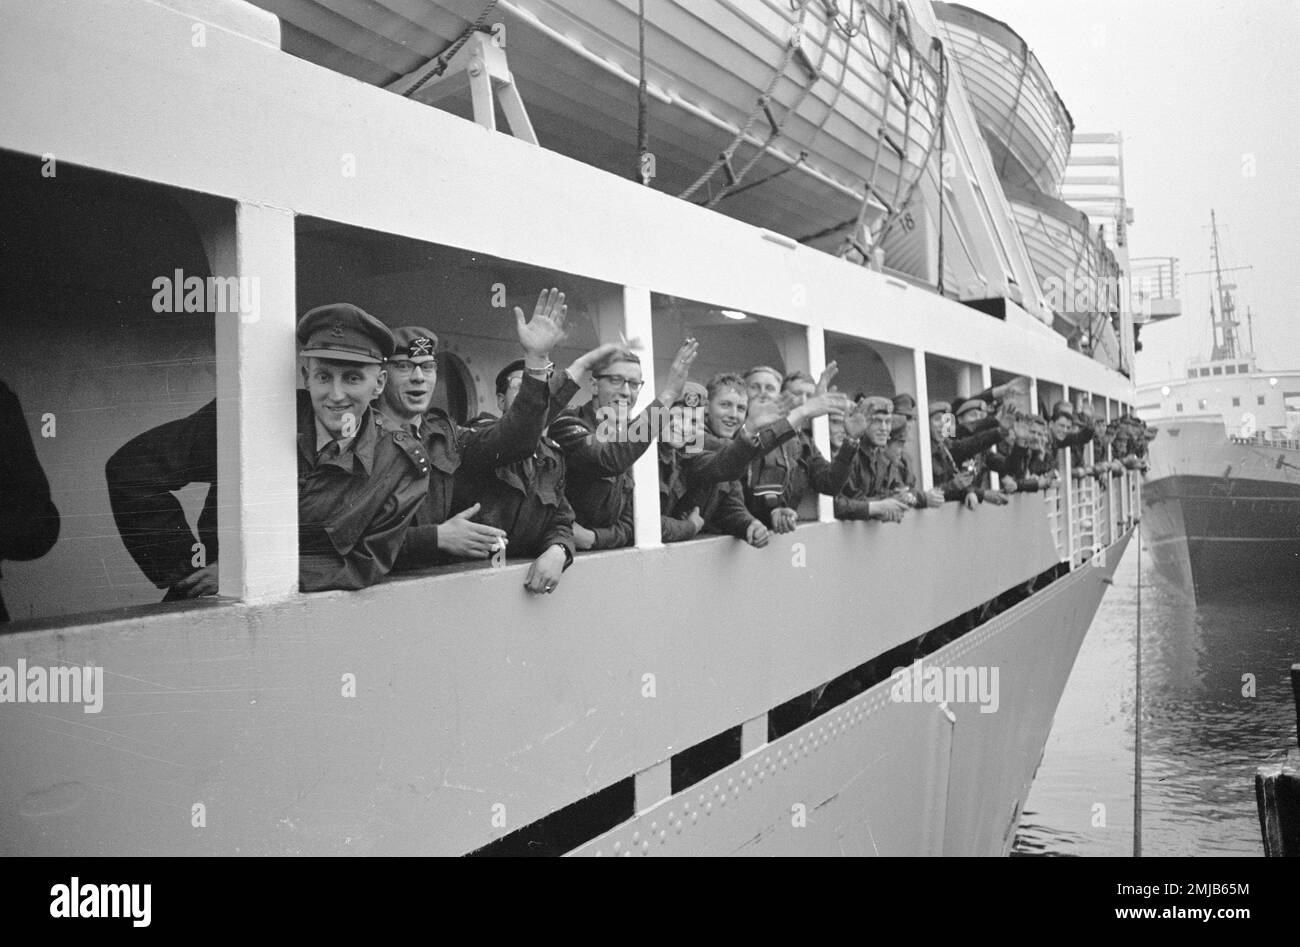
column 110, row 306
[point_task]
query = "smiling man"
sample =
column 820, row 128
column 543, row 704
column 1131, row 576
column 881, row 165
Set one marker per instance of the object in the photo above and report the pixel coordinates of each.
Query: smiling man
column 601, row 441
column 776, row 483
column 868, row 492
column 358, row 486
column 437, row 537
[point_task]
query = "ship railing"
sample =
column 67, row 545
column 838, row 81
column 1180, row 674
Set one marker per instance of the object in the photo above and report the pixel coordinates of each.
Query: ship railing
column 1055, row 503
column 1260, row 439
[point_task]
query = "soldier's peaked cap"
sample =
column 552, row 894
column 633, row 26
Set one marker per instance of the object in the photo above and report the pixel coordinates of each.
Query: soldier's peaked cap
column 877, row 405
column 414, row 342
column 940, row 407
column 970, row 404
column 345, row 333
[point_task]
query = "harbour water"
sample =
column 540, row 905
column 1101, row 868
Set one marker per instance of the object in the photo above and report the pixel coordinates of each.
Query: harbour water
column 1203, row 734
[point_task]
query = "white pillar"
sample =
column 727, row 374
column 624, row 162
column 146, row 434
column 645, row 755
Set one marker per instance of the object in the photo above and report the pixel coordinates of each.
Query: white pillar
column 816, row 348
column 257, row 473
column 645, row 496
column 986, row 382
column 922, row 394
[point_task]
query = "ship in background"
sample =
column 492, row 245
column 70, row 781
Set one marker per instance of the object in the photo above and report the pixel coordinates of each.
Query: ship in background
column 895, row 186
column 1221, row 500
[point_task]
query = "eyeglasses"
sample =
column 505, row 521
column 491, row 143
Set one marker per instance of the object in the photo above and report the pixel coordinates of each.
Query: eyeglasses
column 618, row 381
column 405, row 367
column 882, row 420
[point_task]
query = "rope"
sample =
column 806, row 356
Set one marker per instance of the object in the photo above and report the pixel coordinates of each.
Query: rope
column 775, row 133
column 943, row 149
column 725, row 157
column 445, row 57
column 851, row 241
column 1137, row 711
column 895, row 209
column 642, row 124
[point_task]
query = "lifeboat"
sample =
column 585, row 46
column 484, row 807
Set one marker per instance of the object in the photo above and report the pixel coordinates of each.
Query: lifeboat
column 809, row 119
column 1026, row 125
column 1076, row 271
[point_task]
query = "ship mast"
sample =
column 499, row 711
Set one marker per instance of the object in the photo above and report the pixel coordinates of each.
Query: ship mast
column 1226, row 323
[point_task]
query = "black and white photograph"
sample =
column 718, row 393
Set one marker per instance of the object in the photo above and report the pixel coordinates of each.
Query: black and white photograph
column 782, row 428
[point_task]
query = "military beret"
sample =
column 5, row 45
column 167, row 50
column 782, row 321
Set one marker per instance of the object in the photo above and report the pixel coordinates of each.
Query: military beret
column 940, row 407
column 877, row 405
column 414, row 342
column 693, row 395
column 898, row 430
column 970, row 404
column 345, row 333
column 503, row 376
column 905, row 405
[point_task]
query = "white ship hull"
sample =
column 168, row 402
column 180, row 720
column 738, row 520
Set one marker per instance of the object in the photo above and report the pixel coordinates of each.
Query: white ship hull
column 440, row 713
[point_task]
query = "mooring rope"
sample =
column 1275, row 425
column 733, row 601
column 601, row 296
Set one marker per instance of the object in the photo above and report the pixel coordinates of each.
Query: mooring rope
column 1137, row 706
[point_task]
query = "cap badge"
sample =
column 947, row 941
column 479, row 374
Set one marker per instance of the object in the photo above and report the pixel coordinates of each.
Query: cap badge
column 337, row 329
column 421, row 347
column 692, row 399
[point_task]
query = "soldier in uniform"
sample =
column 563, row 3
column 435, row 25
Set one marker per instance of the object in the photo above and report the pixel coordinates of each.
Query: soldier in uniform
column 358, row 485
column 869, row 492
column 436, row 536
column 525, row 499
column 701, row 498
column 777, row 481
column 601, row 444
column 978, row 433
column 29, row 521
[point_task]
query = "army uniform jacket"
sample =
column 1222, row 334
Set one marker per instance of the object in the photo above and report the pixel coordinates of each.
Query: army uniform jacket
column 721, row 501
column 525, row 498
column 872, row 476
column 600, row 475
column 352, row 510
column 598, row 471
column 475, row 451
column 782, row 477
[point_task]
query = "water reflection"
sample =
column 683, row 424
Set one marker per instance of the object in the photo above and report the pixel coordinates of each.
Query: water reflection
column 1203, row 734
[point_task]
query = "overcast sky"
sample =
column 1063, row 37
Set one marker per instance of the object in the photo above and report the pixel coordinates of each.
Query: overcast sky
column 1198, row 88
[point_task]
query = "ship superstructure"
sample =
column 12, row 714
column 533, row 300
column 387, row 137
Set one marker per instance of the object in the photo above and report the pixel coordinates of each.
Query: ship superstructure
column 1223, row 492
column 449, row 712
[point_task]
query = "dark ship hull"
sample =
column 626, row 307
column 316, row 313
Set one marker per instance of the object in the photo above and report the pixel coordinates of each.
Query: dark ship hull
column 1220, row 512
